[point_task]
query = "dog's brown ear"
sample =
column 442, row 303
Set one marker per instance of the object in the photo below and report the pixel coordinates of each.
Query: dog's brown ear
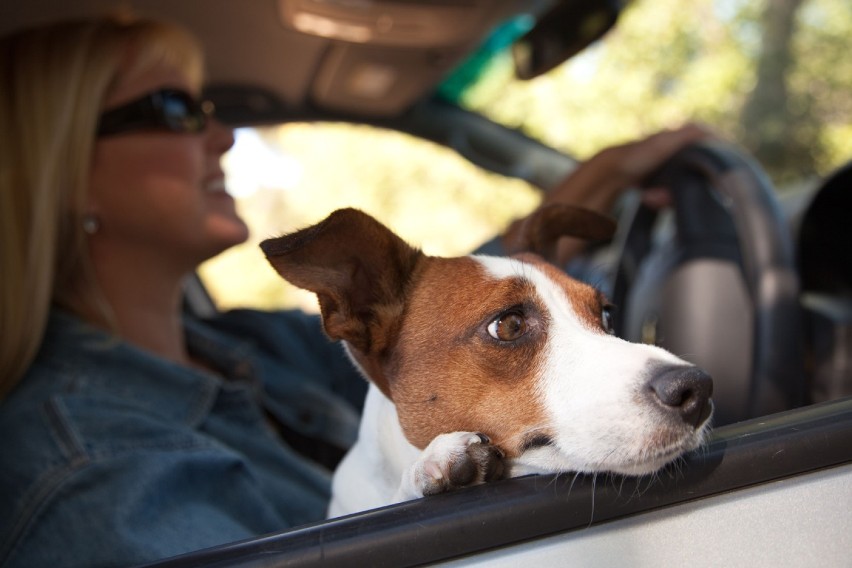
column 357, row 267
column 541, row 231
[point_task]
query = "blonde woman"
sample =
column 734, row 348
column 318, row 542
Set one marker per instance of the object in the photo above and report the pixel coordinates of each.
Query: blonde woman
column 132, row 432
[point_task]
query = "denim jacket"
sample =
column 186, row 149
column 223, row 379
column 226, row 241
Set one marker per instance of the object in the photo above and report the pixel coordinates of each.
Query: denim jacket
column 112, row 456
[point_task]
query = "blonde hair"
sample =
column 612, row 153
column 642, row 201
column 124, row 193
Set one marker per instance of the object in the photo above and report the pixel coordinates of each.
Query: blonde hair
column 53, row 82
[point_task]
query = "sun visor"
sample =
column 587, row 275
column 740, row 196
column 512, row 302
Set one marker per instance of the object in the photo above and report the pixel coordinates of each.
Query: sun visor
column 401, row 23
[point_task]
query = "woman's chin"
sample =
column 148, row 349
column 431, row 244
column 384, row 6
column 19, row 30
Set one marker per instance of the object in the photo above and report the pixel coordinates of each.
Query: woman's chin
column 227, row 232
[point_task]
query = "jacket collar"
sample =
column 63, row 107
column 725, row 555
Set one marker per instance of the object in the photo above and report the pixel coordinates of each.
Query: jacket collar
column 95, row 362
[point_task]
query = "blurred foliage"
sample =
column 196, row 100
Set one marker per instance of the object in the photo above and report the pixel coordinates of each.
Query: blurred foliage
column 667, row 62
column 822, row 78
column 672, row 61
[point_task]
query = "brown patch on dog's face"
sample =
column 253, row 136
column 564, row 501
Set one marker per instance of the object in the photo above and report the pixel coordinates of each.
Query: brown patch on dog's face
column 450, row 374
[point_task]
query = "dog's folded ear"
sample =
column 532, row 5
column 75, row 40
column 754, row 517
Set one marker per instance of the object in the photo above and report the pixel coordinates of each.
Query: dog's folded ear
column 540, row 232
column 357, row 267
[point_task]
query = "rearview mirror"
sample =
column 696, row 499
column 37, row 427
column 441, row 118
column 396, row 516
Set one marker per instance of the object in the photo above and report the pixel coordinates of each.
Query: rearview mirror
column 568, row 28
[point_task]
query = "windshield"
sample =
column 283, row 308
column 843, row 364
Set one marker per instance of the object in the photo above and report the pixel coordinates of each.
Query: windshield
column 289, row 176
column 774, row 77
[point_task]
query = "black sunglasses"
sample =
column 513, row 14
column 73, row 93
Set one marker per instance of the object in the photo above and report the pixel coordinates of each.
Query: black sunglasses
column 171, row 110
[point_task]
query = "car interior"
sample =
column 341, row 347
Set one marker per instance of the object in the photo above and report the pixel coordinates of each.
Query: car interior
column 754, row 286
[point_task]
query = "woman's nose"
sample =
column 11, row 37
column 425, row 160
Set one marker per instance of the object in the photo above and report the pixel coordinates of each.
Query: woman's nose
column 220, row 138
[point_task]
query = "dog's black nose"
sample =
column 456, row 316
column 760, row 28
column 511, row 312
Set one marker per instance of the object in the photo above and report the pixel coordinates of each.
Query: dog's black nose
column 684, row 390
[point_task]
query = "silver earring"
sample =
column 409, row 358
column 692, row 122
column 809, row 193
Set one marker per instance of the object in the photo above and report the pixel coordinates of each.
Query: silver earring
column 91, row 224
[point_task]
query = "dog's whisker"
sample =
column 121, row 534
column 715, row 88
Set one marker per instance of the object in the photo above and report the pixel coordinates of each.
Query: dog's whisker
column 573, row 481
column 621, row 485
column 555, row 479
column 685, row 356
column 594, row 488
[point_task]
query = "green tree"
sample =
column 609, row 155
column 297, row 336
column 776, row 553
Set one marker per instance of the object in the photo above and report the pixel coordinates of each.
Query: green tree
column 820, row 82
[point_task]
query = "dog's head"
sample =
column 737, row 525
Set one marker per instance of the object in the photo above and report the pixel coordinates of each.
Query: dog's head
column 510, row 347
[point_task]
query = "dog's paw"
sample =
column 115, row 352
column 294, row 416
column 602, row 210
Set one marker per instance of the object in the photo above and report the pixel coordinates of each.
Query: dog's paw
column 450, row 461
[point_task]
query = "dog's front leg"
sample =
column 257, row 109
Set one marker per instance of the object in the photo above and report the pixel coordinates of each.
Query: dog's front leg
column 451, row 461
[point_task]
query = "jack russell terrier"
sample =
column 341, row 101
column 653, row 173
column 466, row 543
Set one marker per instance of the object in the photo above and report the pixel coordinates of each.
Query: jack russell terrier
column 485, row 367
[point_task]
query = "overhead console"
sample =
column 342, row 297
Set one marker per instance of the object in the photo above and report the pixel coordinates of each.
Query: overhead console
column 429, row 38
column 359, row 74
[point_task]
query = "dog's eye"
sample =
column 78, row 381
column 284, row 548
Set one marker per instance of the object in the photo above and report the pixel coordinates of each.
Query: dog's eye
column 508, row 327
column 606, row 319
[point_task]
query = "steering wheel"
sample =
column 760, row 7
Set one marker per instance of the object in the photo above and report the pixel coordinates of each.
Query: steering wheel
column 714, row 281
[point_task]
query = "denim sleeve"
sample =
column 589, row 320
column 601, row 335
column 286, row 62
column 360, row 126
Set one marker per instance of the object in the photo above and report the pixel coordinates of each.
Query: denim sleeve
column 493, row 247
column 109, row 486
column 296, row 339
column 181, row 501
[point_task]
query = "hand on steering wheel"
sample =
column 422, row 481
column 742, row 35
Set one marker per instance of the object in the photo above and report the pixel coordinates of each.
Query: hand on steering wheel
column 597, row 183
